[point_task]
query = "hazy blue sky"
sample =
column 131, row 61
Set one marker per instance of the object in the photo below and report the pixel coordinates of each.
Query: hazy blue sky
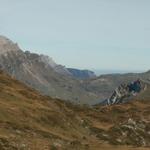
column 100, row 34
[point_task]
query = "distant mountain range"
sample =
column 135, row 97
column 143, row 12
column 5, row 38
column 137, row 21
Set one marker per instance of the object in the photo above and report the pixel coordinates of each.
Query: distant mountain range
column 81, row 74
column 42, row 73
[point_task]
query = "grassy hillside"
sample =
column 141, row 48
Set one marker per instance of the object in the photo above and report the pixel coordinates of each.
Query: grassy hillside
column 29, row 120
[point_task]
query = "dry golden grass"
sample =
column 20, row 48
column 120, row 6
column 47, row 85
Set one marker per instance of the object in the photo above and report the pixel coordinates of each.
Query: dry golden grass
column 29, row 120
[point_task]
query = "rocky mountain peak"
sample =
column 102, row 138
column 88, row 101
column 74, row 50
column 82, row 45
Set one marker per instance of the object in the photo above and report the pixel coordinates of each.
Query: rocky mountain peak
column 3, row 40
column 6, row 45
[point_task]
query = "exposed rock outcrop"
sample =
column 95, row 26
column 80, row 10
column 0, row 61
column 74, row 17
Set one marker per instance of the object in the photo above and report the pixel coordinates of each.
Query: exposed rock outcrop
column 125, row 92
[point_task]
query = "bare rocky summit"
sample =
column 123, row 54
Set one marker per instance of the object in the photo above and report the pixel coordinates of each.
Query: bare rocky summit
column 7, row 45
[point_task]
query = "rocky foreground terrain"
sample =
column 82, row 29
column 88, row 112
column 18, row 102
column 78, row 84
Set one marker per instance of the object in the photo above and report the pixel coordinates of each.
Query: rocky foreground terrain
column 30, row 121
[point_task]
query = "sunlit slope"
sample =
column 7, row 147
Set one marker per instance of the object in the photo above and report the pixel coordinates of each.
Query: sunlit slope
column 29, row 120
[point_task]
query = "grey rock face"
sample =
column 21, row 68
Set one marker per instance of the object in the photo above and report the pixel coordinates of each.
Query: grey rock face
column 58, row 68
column 7, row 45
column 124, row 92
